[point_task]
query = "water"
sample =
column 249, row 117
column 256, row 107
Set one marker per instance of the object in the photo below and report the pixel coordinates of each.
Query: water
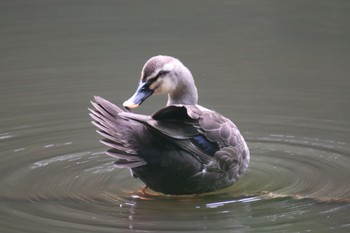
column 279, row 69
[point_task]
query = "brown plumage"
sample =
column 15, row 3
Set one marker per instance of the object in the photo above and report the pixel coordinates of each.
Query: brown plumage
column 182, row 148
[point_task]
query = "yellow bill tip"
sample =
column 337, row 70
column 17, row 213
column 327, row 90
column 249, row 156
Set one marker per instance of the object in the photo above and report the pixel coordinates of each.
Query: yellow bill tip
column 130, row 104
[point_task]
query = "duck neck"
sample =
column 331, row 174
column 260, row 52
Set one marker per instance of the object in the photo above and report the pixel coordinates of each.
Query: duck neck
column 186, row 92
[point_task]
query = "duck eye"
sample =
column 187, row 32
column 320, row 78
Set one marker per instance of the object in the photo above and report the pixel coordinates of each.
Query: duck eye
column 162, row 73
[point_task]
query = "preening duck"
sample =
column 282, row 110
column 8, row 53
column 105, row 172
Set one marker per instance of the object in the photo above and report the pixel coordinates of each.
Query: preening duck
column 182, row 148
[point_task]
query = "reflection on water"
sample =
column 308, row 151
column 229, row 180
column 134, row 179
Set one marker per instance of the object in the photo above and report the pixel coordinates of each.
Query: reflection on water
column 278, row 69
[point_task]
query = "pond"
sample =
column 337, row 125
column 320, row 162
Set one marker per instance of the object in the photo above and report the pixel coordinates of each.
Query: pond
column 278, row 69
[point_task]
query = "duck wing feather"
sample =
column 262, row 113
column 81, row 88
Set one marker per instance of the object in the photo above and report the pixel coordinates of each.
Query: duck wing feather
column 115, row 130
column 191, row 122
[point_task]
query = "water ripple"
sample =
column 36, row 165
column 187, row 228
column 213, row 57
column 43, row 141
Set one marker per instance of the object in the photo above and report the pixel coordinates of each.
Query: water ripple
column 291, row 181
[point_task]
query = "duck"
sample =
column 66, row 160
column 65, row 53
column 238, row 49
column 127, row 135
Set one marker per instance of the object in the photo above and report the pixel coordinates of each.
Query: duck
column 182, row 148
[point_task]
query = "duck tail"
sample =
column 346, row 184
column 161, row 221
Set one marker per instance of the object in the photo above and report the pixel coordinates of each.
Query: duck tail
column 116, row 132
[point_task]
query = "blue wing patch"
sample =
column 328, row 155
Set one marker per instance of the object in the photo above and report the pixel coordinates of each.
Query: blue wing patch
column 205, row 145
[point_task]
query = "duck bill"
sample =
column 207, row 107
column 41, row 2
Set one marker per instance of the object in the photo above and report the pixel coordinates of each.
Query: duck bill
column 142, row 93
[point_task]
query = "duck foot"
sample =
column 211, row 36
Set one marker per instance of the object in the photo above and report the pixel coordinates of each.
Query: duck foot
column 146, row 192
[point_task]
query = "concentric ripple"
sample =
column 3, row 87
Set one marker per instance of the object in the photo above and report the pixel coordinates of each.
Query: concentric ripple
column 301, row 167
column 291, row 182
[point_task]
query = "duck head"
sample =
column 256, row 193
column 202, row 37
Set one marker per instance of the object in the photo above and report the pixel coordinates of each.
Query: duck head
column 165, row 75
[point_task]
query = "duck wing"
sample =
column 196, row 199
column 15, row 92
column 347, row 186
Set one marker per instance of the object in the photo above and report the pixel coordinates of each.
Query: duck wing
column 210, row 137
column 233, row 154
column 117, row 132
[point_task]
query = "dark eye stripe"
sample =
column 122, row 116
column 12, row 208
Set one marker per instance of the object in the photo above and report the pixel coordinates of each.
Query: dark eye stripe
column 159, row 75
column 152, row 80
column 162, row 73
